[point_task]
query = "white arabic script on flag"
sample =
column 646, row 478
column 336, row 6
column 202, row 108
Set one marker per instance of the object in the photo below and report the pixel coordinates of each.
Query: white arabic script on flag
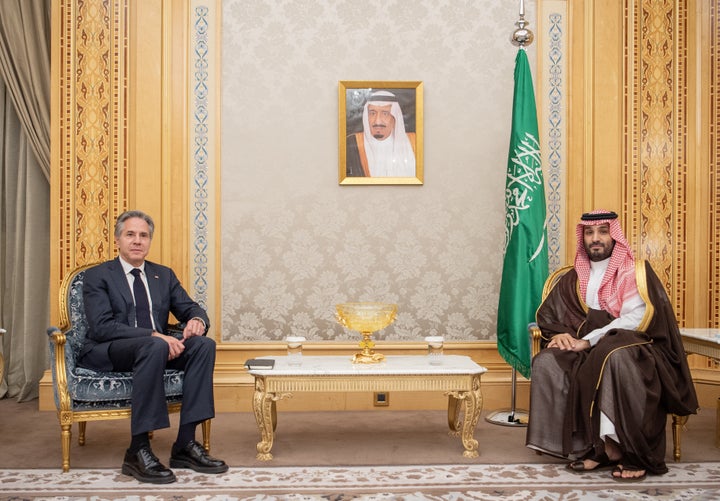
column 524, row 177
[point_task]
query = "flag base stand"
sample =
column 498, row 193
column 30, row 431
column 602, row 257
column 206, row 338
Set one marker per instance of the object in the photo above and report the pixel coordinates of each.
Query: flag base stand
column 509, row 417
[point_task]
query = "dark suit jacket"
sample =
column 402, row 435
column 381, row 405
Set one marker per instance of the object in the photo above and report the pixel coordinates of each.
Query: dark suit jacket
column 110, row 309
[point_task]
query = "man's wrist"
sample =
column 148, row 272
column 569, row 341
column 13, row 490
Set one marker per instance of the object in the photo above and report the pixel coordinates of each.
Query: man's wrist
column 591, row 339
column 201, row 321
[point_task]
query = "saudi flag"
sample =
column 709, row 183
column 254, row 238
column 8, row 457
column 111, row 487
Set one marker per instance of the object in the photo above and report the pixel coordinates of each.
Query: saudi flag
column 525, row 265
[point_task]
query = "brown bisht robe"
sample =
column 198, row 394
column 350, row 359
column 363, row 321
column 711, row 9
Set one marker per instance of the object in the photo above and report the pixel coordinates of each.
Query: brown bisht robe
column 634, row 377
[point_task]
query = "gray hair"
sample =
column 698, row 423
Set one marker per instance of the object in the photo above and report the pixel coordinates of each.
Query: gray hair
column 131, row 214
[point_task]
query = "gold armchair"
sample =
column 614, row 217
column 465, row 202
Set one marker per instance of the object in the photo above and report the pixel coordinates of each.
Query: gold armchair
column 83, row 395
column 536, row 339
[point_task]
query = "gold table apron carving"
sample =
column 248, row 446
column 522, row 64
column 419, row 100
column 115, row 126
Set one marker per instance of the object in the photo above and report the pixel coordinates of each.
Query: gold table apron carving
column 458, row 377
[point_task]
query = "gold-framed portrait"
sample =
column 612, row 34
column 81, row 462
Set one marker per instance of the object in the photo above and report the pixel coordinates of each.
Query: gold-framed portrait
column 380, row 132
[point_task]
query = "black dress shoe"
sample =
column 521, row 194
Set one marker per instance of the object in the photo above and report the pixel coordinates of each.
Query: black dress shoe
column 146, row 467
column 194, row 456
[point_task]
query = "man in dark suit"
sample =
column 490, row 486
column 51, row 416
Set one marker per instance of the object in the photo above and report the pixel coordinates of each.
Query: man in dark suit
column 127, row 333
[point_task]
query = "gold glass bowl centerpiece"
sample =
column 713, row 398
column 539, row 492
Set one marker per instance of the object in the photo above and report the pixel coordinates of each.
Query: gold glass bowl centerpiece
column 366, row 318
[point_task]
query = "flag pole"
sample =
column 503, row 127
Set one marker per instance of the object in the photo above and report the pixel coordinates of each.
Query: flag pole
column 511, row 416
column 514, row 417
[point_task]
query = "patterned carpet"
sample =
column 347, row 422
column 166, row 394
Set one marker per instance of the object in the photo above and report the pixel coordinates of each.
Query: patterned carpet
column 684, row 481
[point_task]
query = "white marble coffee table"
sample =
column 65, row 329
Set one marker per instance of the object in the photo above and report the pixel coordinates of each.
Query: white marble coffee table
column 457, row 376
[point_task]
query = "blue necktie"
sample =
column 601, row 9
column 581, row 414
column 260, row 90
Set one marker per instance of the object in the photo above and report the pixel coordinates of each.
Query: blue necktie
column 142, row 305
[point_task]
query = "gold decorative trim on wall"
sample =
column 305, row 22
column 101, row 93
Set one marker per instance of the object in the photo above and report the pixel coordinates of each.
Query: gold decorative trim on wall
column 653, row 95
column 714, row 152
column 677, row 256
column 655, row 143
column 90, row 172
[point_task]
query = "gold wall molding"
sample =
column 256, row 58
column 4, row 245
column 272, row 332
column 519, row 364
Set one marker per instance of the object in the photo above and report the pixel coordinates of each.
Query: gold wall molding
column 712, row 125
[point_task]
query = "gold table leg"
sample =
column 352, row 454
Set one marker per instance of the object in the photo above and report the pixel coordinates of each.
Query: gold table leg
column 264, row 407
column 678, row 423
column 473, row 402
column 454, row 413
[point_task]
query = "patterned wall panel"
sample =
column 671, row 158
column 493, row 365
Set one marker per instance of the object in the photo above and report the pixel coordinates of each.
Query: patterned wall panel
column 656, row 166
column 552, row 40
column 202, row 154
column 91, row 174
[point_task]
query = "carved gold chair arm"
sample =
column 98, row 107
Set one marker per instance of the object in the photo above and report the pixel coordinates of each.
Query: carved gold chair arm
column 535, row 338
column 59, row 368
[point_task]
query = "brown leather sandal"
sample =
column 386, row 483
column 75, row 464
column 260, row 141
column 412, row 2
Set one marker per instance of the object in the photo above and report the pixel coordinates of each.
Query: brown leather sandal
column 602, row 460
